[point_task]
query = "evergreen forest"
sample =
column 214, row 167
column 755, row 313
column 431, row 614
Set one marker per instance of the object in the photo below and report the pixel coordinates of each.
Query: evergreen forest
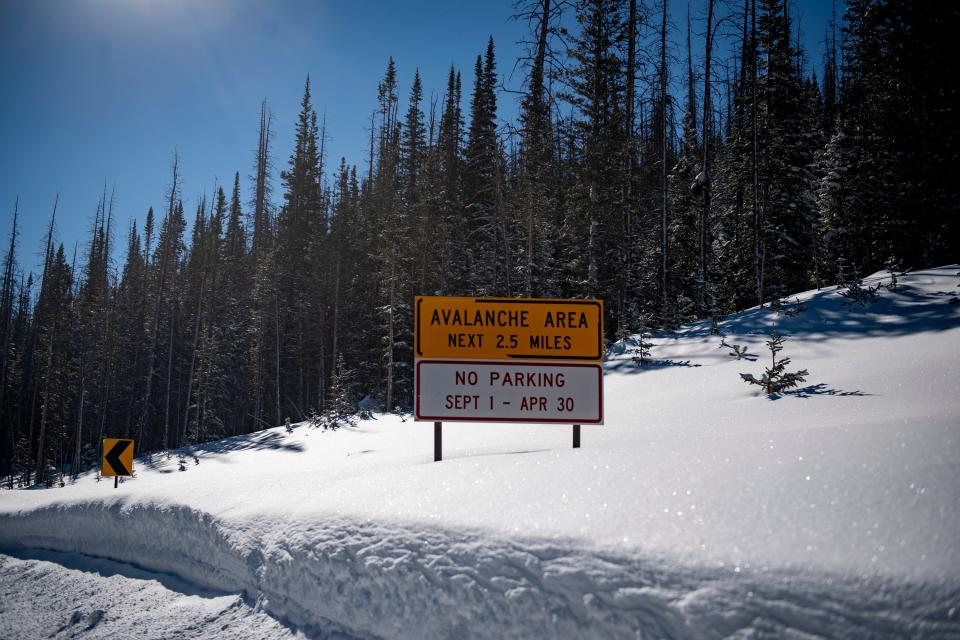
column 675, row 183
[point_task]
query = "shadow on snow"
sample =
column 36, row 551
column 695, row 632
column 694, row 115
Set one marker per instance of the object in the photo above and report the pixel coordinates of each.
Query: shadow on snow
column 820, row 389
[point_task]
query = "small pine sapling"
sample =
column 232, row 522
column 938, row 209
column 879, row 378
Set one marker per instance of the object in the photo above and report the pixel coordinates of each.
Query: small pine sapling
column 843, row 272
column 51, row 475
column 739, row 352
column 623, row 333
column 715, row 325
column 642, row 346
column 23, row 462
column 893, row 265
column 776, row 379
column 855, row 294
column 796, row 309
column 340, row 405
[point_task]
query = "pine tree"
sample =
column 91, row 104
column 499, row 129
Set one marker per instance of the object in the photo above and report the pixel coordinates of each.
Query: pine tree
column 8, row 435
column 596, row 213
column 56, row 380
column 416, row 177
column 264, row 379
column 775, row 378
column 161, row 273
column 453, row 269
column 899, row 95
column 487, row 249
column 298, row 268
column 683, row 228
column 835, row 236
column 768, row 182
column 791, row 135
column 535, row 192
column 237, row 279
column 642, row 346
column 340, row 404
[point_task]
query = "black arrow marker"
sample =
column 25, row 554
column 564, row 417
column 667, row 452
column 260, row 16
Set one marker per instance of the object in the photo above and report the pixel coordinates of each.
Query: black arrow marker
column 113, row 457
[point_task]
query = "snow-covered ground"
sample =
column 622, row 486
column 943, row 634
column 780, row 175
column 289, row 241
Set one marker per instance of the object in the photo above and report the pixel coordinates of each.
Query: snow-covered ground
column 47, row 594
column 700, row 509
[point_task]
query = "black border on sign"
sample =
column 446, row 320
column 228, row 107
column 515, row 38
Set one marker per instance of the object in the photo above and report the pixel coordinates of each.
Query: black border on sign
column 598, row 366
column 596, row 303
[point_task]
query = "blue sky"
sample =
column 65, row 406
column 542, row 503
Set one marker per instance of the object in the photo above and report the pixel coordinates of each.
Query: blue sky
column 96, row 92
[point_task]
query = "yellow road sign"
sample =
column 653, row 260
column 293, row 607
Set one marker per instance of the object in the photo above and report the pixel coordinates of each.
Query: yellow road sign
column 508, row 328
column 117, row 457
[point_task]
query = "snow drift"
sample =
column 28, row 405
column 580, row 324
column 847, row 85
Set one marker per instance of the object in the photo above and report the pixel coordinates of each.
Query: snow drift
column 701, row 509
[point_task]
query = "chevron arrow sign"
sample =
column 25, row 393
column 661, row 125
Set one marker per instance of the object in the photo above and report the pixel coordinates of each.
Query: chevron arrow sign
column 117, row 457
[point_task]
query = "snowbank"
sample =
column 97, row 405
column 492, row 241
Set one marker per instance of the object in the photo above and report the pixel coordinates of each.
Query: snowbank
column 700, row 509
column 394, row 582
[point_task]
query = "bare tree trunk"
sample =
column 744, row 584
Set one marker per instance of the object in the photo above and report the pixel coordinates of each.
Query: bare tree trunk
column 6, row 308
column 76, row 456
column 261, row 222
column 276, row 308
column 322, row 373
column 390, row 335
column 107, row 373
column 193, row 358
column 502, row 226
column 46, row 405
column 102, row 423
column 664, row 278
column 373, row 120
column 705, row 211
column 203, row 391
column 301, row 385
column 166, row 411
column 536, row 72
column 258, row 379
column 107, row 361
column 627, row 245
column 758, row 232
column 155, row 330
column 47, row 256
column 336, row 314
column 33, row 415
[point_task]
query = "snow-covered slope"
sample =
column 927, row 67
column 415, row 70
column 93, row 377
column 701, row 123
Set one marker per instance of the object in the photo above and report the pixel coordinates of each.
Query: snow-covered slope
column 700, row 509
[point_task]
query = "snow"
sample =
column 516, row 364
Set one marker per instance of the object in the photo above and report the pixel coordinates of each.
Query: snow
column 43, row 598
column 700, row 509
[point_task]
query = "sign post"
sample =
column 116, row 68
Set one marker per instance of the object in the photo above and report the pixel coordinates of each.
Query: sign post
column 117, row 458
column 508, row 360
